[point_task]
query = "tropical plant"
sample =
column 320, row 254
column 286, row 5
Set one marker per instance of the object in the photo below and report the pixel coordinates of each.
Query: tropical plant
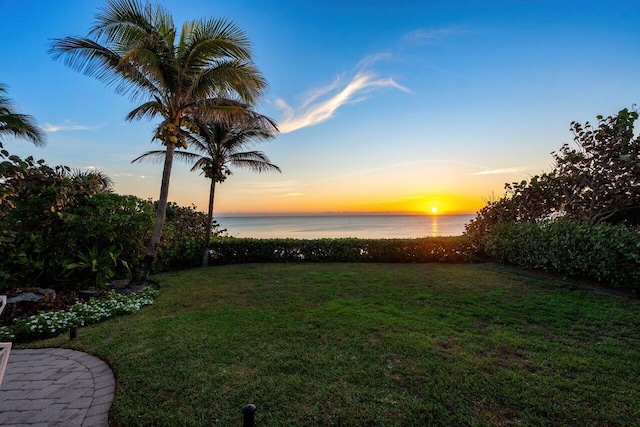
column 218, row 146
column 203, row 71
column 94, row 266
column 38, row 205
column 16, row 124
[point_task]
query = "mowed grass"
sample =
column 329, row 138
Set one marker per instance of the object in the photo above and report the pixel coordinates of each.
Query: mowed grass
column 371, row 345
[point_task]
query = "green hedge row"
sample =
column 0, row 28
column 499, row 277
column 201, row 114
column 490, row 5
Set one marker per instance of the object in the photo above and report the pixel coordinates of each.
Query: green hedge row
column 432, row 249
column 607, row 253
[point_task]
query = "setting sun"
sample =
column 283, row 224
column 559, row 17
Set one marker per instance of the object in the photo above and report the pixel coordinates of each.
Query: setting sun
column 434, row 210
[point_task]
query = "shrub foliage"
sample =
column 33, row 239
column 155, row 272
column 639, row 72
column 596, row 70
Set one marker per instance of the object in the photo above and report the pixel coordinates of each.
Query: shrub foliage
column 606, row 253
column 60, row 228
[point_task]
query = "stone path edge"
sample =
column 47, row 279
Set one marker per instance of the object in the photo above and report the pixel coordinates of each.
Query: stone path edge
column 55, row 386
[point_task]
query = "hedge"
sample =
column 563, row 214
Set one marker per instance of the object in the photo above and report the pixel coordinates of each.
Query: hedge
column 606, row 253
column 230, row 250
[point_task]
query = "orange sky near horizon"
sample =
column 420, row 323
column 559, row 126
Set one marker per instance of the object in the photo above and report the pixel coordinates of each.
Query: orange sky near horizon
column 413, row 189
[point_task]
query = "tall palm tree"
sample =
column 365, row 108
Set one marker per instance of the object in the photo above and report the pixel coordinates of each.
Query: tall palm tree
column 205, row 71
column 18, row 125
column 218, row 146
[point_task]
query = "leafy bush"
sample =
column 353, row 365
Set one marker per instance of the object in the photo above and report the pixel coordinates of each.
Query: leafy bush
column 607, row 253
column 60, row 228
column 441, row 249
column 182, row 240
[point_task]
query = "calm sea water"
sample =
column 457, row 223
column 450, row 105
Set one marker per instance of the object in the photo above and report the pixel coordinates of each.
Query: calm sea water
column 364, row 226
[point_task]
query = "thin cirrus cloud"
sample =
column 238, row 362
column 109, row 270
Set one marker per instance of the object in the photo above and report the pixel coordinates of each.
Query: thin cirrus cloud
column 128, row 175
column 321, row 104
column 68, row 126
column 249, row 187
column 501, row 171
column 396, row 166
column 424, row 36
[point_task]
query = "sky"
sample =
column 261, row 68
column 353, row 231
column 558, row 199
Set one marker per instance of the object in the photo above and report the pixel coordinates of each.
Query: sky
column 383, row 107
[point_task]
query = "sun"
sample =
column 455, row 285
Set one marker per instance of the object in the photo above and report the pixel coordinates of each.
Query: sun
column 434, row 210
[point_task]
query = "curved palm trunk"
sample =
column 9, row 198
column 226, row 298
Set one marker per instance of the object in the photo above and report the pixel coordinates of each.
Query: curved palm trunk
column 145, row 269
column 212, row 192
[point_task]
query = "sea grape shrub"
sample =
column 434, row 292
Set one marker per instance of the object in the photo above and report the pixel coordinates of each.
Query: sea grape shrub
column 525, row 201
column 599, row 181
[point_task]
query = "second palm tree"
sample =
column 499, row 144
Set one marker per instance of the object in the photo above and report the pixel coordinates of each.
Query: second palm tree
column 218, row 146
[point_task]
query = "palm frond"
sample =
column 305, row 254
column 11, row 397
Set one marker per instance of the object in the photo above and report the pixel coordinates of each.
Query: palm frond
column 147, row 110
column 254, row 160
column 229, row 79
column 230, row 39
column 228, row 112
column 18, row 125
column 124, row 23
column 92, row 59
column 157, row 156
column 211, row 40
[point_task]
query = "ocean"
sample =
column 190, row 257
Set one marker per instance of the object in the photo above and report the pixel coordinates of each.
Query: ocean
column 340, row 226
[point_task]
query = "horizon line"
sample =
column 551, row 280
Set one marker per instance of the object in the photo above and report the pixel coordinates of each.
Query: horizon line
column 349, row 213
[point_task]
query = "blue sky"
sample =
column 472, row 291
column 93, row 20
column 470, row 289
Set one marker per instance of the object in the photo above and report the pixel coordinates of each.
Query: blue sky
column 383, row 106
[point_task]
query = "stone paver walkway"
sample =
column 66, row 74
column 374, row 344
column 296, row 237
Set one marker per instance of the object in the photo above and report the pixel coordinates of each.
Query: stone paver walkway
column 56, row 387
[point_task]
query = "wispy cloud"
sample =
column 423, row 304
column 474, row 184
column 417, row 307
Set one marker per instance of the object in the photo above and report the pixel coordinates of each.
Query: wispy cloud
column 320, row 104
column 424, row 36
column 128, row 175
column 68, row 126
column 502, row 171
column 249, row 187
column 396, row 165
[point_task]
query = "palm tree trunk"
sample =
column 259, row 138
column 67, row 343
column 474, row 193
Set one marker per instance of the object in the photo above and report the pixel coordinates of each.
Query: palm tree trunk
column 145, row 268
column 207, row 241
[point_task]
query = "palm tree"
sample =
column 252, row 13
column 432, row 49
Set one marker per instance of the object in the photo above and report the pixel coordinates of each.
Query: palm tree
column 218, row 146
column 18, row 125
column 205, row 71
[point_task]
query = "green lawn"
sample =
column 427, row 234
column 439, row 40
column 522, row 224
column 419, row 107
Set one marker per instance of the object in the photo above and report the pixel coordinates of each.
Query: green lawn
column 371, row 344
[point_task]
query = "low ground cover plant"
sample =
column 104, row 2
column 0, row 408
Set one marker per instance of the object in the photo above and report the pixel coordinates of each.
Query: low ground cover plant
column 52, row 323
column 333, row 344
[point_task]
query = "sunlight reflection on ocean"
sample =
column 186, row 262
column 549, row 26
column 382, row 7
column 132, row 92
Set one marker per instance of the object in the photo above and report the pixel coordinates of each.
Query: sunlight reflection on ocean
column 360, row 226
